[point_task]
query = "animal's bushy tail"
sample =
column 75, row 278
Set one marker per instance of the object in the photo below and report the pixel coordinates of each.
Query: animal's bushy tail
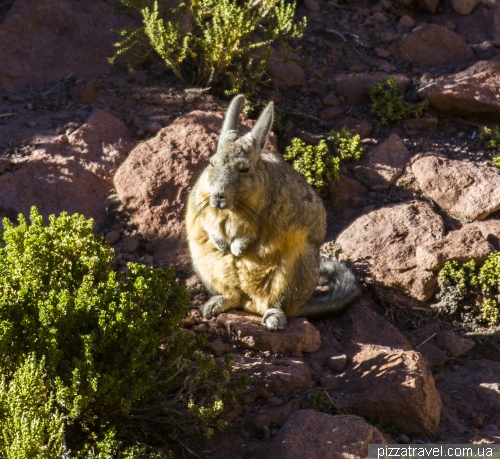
column 341, row 291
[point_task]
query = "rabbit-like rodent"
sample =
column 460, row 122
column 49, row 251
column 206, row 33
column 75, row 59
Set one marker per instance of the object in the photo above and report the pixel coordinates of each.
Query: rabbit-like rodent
column 254, row 228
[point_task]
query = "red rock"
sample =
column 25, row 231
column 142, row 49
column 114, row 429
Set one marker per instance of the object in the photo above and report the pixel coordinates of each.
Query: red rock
column 384, row 164
column 311, row 434
column 454, row 344
column 432, row 45
column 287, row 75
column 72, row 174
column 84, row 93
column 356, row 127
column 276, row 415
column 312, row 5
column 131, row 243
column 464, row 6
column 383, row 244
column 330, row 100
column 458, row 187
column 246, row 332
column 57, row 38
column 346, row 191
column 329, row 382
column 337, row 362
column 4, row 164
column 382, row 53
column 434, row 355
column 471, row 92
column 154, row 181
column 356, row 88
column 219, row 347
column 112, row 237
column 428, row 5
column 463, row 245
column 200, row 328
column 406, row 22
column 331, row 113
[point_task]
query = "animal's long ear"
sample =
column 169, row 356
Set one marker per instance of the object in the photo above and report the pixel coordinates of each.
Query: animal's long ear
column 261, row 129
column 232, row 114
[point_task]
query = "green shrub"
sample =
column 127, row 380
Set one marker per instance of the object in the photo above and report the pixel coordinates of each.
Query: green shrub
column 111, row 341
column 32, row 427
column 320, row 165
column 315, row 163
column 490, row 137
column 348, row 147
column 471, row 293
column 319, row 400
column 388, row 104
column 496, row 161
column 226, row 43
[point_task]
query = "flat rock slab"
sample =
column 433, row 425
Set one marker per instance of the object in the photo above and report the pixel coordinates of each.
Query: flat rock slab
column 462, row 188
column 72, row 174
column 311, row 434
column 383, row 244
column 384, row 164
column 432, row 45
column 470, row 92
column 246, row 332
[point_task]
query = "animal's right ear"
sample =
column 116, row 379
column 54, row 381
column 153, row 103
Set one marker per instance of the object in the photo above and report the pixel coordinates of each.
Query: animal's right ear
column 232, row 114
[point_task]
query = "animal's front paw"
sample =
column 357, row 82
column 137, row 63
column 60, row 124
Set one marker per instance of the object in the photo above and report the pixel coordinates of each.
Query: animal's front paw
column 238, row 246
column 214, row 306
column 274, row 319
column 219, row 243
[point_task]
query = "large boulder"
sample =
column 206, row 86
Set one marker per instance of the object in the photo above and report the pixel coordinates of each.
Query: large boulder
column 46, row 40
column 470, row 92
column 384, row 378
column 72, row 174
column 462, row 188
column 383, row 244
column 432, row 45
column 311, row 434
column 154, row 182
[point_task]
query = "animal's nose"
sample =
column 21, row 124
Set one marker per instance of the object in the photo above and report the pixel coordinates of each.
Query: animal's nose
column 218, row 200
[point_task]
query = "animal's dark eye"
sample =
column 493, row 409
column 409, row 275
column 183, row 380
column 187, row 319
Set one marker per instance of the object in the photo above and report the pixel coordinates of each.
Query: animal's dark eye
column 246, row 169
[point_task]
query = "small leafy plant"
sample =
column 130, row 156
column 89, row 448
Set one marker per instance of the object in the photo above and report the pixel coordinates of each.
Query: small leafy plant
column 348, row 147
column 490, row 137
column 224, row 43
column 496, row 161
column 471, row 293
column 389, row 105
column 319, row 400
column 320, row 164
column 315, row 163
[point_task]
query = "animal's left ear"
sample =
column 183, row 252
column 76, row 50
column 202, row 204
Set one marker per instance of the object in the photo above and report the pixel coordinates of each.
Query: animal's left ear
column 262, row 128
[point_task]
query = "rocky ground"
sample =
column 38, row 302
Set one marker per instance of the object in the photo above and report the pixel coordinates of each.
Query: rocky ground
column 79, row 135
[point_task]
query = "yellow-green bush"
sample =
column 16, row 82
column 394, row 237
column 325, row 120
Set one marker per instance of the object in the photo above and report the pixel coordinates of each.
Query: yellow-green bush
column 389, row 105
column 111, row 341
column 31, row 425
column 223, row 43
column 490, row 137
column 469, row 292
column 319, row 164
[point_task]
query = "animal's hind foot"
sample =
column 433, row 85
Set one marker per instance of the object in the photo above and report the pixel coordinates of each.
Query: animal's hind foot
column 274, row 319
column 214, row 306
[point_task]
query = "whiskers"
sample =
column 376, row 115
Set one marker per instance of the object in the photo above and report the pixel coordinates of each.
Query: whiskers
column 246, row 211
column 199, row 208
